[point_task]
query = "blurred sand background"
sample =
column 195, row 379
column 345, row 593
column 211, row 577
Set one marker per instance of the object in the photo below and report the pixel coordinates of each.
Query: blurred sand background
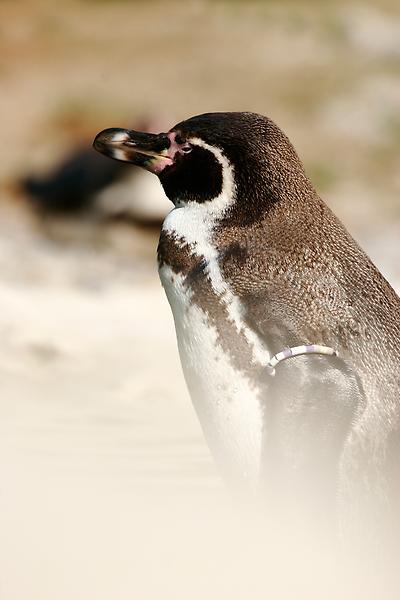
column 107, row 489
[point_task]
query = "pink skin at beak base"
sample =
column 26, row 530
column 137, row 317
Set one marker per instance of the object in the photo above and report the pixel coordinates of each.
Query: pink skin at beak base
column 158, row 163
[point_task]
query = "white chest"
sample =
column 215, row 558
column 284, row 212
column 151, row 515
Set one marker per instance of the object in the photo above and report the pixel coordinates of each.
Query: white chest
column 227, row 402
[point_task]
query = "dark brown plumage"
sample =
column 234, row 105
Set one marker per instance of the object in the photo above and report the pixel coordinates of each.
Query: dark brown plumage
column 298, row 278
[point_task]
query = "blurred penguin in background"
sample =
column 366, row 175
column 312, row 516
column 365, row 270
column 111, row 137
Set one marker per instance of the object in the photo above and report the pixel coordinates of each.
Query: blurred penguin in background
column 85, row 182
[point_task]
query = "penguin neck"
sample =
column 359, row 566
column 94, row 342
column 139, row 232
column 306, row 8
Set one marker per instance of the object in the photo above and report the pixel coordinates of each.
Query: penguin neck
column 261, row 194
column 193, row 222
column 241, row 204
column 248, row 197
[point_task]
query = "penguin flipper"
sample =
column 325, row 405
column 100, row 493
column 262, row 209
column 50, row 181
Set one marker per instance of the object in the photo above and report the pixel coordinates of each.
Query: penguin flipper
column 311, row 406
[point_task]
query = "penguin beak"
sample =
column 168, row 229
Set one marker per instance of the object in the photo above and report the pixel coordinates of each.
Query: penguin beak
column 147, row 150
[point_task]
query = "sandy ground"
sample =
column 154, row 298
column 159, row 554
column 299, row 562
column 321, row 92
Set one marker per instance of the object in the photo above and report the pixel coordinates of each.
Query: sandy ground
column 97, row 436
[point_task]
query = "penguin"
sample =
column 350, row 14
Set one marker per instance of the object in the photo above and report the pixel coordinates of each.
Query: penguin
column 289, row 336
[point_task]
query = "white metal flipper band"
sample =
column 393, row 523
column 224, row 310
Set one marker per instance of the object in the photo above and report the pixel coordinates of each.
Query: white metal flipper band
column 298, row 351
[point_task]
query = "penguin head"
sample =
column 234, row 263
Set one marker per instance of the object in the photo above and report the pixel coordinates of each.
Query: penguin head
column 211, row 156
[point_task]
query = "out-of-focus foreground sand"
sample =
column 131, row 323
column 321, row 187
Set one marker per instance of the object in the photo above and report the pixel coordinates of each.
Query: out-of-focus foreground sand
column 107, row 490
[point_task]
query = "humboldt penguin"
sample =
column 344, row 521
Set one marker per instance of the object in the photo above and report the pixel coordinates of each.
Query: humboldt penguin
column 289, row 336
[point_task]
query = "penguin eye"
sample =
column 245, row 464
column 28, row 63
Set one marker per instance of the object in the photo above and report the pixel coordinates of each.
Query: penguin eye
column 185, row 147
